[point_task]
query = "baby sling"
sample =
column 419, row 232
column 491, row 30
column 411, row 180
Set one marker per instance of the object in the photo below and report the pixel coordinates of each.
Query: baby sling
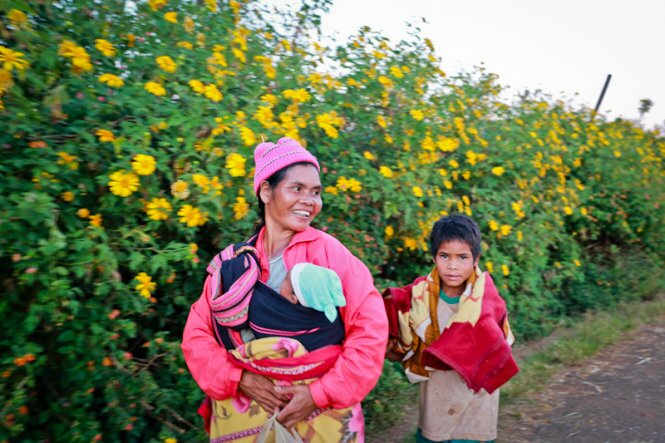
column 247, row 303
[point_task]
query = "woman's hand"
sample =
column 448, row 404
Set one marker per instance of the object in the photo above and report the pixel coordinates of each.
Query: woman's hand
column 261, row 389
column 299, row 408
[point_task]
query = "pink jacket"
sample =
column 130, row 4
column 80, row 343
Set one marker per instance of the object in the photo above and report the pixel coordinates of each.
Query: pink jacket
column 359, row 365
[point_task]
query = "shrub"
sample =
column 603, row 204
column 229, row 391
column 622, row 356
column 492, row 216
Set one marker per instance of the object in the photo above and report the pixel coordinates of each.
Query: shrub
column 127, row 136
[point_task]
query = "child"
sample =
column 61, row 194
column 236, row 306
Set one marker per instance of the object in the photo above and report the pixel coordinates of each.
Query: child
column 451, row 333
column 314, row 287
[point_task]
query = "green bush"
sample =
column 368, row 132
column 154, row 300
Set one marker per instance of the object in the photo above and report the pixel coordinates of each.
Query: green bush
column 127, row 137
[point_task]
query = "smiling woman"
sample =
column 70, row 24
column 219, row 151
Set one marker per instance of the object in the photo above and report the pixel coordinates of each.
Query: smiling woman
column 313, row 372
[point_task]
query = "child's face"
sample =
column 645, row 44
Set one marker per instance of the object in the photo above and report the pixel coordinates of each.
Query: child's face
column 455, row 263
column 286, row 290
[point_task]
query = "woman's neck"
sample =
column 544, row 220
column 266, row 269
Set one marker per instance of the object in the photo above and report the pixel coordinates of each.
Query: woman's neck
column 275, row 240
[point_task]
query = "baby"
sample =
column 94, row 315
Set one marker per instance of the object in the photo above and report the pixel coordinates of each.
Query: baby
column 314, row 287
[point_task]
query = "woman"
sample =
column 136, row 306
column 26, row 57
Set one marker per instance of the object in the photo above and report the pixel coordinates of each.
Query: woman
column 288, row 187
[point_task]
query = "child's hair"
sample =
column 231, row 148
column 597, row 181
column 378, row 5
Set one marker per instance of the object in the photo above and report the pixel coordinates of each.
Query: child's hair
column 455, row 227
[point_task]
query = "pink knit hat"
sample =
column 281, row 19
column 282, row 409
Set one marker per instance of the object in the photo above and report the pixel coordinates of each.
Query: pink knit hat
column 270, row 158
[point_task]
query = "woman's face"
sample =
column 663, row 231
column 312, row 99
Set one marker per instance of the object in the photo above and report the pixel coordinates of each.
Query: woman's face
column 295, row 201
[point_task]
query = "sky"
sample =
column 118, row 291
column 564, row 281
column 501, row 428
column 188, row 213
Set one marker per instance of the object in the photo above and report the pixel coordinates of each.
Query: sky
column 566, row 48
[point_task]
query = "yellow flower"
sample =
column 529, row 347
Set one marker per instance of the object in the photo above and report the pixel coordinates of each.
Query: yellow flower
column 265, row 116
column 378, row 54
column 329, row 122
column 386, row 171
column 235, row 163
column 382, row 122
column 297, row 95
column 166, row 63
column 214, row 184
column 489, row 266
column 83, row 213
column 269, row 98
column 155, row 88
column 111, row 80
column 350, row 184
column 505, row 270
column 123, row 184
column 144, row 164
column 240, row 208
column 331, row 190
column 568, row 210
column 17, row 17
column 448, row 184
column 211, row 5
column 389, row 231
column 417, row 114
column 180, row 190
column 577, row 262
column 520, row 236
column 170, row 440
column 410, row 243
column 247, row 136
column 192, row 216
column 67, row 48
column 96, row 220
column 396, row 72
column 171, row 17
column 186, row 45
column 202, row 182
column 498, row 170
column 447, row 144
column 237, row 53
column 213, row 93
column 494, row 226
column 353, row 82
column 369, row 156
column 189, row 25
column 505, row 229
column 417, row 191
column 6, row 81
column 105, row 135
column 79, row 57
column 67, row 196
column 453, row 164
column 158, row 209
column 12, row 59
column 146, row 286
column 67, row 159
column 197, row 86
column 583, row 211
column 105, row 47
column 157, row 4
column 385, row 82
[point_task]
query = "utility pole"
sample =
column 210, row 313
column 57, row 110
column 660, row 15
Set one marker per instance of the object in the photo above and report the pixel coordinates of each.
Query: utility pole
column 602, row 94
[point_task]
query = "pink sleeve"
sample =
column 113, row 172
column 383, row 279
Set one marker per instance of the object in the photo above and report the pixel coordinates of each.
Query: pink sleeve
column 360, row 364
column 206, row 359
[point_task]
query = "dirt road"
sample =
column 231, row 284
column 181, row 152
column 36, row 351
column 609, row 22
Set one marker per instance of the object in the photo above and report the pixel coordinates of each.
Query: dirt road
column 616, row 396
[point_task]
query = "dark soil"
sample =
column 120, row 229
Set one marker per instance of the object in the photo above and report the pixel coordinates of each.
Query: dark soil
column 617, row 396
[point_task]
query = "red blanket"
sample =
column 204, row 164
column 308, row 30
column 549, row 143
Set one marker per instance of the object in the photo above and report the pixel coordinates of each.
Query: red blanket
column 475, row 343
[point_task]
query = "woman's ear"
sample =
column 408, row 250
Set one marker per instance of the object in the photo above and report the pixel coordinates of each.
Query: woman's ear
column 264, row 192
